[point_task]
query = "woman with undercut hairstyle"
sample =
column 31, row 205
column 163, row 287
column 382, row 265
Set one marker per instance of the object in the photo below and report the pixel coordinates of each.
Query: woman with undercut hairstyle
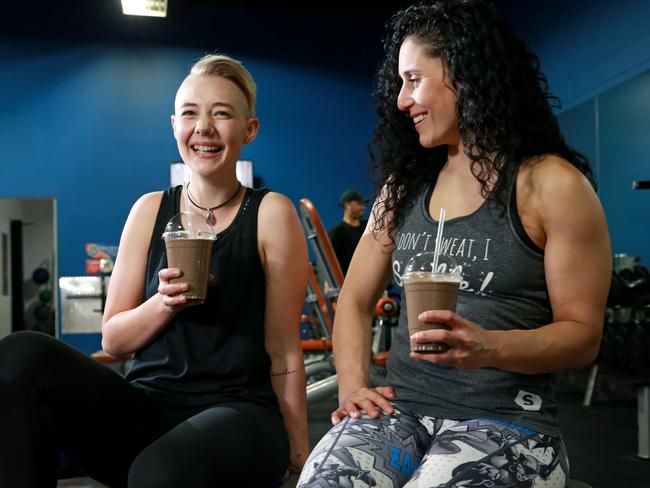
column 215, row 396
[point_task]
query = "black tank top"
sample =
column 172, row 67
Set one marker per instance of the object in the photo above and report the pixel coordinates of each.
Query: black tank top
column 214, row 352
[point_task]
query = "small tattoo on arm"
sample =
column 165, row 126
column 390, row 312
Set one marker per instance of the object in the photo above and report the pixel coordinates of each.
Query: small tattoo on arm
column 284, row 372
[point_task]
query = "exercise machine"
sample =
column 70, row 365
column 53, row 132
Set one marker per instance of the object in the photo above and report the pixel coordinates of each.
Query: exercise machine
column 325, row 282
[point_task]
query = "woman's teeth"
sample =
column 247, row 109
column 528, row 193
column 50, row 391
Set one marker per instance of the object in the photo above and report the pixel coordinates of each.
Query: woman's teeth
column 210, row 149
column 418, row 118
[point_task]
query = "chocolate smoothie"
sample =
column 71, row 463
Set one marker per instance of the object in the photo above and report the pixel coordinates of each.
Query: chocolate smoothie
column 188, row 240
column 192, row 257
column 428, row 291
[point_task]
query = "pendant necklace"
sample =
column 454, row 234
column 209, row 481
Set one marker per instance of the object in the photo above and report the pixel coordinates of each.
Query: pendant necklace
column 209, row 216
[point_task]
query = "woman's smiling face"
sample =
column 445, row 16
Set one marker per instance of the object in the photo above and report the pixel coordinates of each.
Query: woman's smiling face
column 427, row 95
column 211, row 122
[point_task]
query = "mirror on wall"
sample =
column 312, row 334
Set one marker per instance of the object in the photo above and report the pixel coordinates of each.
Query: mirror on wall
column 28, row 283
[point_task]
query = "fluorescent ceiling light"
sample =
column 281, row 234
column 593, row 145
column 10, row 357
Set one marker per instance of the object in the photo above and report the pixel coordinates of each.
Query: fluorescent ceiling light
column 149, row 8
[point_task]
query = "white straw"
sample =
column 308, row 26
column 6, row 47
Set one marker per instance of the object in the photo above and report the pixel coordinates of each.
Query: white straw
column 436, row 252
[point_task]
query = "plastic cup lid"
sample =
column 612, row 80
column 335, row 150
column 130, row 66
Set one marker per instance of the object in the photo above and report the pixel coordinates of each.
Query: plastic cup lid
column 188, row 225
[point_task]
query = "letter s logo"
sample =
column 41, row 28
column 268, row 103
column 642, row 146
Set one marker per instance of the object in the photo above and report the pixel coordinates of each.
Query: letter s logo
column 528, row 401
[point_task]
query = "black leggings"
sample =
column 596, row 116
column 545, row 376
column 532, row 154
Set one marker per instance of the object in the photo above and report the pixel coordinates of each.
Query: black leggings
column 54, row 398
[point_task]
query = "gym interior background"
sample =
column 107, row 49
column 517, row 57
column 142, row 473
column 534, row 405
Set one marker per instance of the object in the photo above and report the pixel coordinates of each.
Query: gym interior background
column 85, row 99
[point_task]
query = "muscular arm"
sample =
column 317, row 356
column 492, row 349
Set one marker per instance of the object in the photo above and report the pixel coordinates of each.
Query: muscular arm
column 566, row 218
column 284, row 254
column 577, row 262
column 129, row 323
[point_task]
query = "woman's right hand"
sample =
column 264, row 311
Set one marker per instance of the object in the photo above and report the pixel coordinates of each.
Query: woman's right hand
column 172, row 293
column 370, row 400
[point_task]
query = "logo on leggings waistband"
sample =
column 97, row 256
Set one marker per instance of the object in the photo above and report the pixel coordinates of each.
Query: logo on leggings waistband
column 528, row 401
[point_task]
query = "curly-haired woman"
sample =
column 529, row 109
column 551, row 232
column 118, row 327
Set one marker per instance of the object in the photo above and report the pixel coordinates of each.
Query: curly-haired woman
column 466, row 124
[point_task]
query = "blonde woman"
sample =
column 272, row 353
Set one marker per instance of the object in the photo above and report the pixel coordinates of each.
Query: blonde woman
column 216, row 393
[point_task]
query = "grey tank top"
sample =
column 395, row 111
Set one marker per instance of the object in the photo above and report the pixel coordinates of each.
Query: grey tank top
column 503, row 288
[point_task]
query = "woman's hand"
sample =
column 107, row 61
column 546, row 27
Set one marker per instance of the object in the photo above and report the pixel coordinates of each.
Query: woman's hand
column 370, row 400
column 172, row 293
column 470, row 346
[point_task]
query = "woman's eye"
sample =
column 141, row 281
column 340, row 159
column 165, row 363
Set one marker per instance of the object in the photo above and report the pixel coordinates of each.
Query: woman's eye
column 414, row 81
column 187, row 113
column 221, row 114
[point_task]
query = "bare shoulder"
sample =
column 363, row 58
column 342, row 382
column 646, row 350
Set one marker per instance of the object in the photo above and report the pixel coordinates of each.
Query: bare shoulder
column 274, row 201
column 551, row 182
column 277, row 217
column 275, row 209
column 147, row 203
column 142, row 218
column 375, row 228
column 281, row 240
column 550, row 175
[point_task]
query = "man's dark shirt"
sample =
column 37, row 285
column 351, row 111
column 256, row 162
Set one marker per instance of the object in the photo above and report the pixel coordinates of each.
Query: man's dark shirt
column 345, row 238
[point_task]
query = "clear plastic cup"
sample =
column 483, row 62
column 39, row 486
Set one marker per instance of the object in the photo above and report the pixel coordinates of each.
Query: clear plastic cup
column 430, row 289
column 188, row 241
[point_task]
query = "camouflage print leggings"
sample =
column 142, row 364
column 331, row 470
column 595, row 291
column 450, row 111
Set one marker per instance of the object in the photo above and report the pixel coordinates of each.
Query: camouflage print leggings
column 407, row 450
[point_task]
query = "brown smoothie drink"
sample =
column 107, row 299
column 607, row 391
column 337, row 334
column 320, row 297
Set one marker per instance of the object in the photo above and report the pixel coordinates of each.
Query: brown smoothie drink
column 188, row 241
column 429, row 291
column 192, row 257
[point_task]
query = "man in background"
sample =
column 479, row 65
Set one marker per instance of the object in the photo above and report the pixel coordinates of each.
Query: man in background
column 345, row 235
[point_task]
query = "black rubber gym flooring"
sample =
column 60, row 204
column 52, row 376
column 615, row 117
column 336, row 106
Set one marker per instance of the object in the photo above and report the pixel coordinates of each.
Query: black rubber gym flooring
column 602, row 438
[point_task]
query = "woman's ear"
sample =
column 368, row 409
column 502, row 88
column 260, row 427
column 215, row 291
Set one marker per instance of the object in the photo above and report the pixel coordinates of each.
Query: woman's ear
column 251, row 129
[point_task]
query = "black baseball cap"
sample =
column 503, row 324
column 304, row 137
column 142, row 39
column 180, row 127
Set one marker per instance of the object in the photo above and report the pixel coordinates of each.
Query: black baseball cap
column 352, row 196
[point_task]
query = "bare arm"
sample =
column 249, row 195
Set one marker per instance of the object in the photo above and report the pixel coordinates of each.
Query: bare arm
column 129, row 322
column 284, row 254
column 577, row 261
column 368, row 275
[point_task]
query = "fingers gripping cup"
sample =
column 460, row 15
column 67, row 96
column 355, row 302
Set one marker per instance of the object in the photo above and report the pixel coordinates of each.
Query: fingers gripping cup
column 188, row 241
column 430, row 287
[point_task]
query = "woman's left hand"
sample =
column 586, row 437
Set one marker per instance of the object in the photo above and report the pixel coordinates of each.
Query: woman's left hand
column 470, row 345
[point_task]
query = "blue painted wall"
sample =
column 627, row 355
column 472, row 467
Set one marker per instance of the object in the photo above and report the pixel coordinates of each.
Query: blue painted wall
column 596, row 55
column 586, row 46
column 612, row 130
column 624, row 146
column 90, row 126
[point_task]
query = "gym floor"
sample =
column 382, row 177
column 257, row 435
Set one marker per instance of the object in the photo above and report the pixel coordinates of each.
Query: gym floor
column 601, row 439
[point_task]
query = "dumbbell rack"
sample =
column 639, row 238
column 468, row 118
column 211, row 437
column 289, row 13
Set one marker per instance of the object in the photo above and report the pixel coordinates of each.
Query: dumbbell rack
column 643, row 386
column 628, row 340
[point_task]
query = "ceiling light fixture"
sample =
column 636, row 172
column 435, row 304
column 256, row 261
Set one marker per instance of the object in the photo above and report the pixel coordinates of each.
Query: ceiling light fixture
column 149, row 8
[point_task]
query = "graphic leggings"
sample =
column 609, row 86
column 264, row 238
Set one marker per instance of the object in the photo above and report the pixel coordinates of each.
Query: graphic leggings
column 411, row 451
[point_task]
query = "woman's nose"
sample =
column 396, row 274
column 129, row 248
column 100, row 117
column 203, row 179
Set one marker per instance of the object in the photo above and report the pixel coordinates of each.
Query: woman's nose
column 204, row 127
column 404, row 100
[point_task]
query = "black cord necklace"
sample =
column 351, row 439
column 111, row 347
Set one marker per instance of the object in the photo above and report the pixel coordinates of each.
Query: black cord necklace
column 209, row 217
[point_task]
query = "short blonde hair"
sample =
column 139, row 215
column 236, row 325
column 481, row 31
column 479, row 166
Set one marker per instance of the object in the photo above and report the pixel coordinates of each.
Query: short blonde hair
column 231, row 69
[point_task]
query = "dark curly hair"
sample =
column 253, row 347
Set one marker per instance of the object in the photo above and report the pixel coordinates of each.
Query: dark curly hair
column 503, row 104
